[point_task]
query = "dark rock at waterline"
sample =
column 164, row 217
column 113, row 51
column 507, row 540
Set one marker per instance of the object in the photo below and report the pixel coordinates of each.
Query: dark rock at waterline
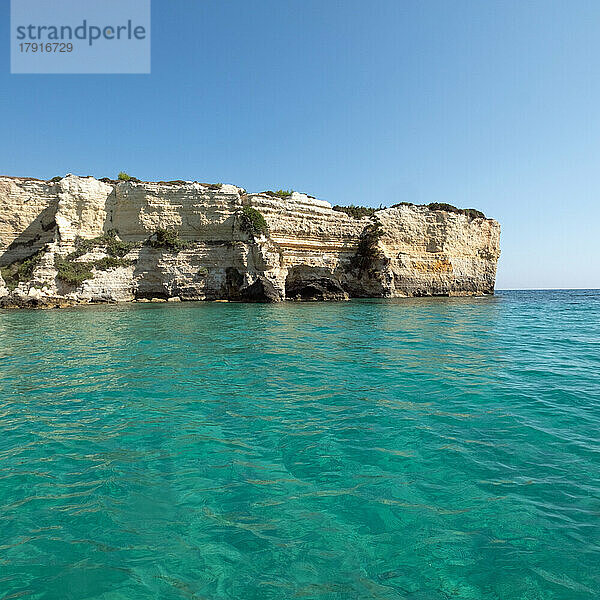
column 320, row 288
column 16, row 301
column 262, row 290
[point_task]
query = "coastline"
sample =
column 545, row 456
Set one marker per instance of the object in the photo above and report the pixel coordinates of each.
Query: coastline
column 79, row 240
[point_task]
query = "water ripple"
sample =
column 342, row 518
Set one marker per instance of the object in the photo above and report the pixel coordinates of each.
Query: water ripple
column 424, row 449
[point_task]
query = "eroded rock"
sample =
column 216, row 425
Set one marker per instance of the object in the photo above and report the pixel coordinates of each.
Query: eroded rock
column 262, row 290
column 309, row 252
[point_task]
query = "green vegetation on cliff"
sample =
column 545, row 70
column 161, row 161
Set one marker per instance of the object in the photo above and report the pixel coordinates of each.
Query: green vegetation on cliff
column 75, row 273
column 358, row 212
column 114, row 246
column 252, row 221
column 469, row 212
column 367, row 250
column 21, row 271
column 166, row 239
column 472, row 213
column 283, row 194
column 71, row 272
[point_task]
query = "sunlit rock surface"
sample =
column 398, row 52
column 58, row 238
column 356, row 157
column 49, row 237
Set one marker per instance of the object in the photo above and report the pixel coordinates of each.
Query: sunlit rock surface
column 310, row 251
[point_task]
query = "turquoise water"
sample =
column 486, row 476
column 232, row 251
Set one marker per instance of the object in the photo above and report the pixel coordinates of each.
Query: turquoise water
column 424, row 449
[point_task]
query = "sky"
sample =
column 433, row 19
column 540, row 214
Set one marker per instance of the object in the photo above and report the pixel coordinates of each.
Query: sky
column 493, row 105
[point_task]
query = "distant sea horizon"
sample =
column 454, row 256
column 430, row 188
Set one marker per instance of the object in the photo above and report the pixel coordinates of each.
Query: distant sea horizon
column 543, row 289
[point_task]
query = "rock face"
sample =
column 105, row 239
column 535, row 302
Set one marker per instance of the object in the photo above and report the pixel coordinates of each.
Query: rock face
column 3, row 288
column 79, row 240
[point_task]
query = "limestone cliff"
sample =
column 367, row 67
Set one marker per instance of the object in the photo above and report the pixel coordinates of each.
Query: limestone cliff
column 79, row 240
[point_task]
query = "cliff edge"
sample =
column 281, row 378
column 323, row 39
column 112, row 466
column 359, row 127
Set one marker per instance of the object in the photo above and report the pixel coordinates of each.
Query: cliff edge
column 80, row 240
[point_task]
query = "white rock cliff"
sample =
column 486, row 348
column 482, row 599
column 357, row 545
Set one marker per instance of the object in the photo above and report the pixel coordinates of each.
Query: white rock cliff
column 80, row 240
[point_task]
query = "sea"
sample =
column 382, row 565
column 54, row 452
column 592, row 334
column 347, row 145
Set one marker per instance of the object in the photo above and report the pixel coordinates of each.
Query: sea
column 410, row 449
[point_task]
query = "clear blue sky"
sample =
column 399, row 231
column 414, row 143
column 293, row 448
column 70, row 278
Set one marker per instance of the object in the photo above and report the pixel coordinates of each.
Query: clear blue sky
column 492, row 105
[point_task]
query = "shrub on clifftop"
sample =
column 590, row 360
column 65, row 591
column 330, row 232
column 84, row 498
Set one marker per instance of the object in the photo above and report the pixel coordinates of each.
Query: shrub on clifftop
column 469, row 212
column 358, row 212
column 283, row 194
column 125, row 177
